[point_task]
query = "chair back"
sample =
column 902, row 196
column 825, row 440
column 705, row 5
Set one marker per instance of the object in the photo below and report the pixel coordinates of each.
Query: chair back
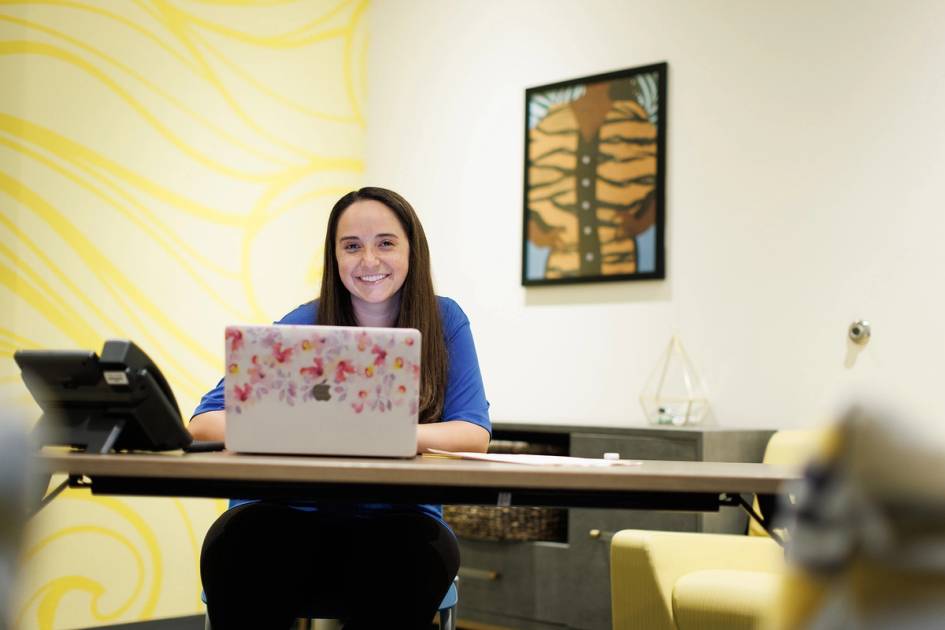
column 790, row 448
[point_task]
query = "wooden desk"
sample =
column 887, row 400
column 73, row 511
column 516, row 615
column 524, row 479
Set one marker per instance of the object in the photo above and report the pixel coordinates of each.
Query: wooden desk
column 534, row 575
column 651, row 485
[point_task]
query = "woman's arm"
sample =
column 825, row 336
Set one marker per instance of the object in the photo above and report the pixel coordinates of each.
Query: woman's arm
column 452, row 435
column 208, row 426
column 448, row 436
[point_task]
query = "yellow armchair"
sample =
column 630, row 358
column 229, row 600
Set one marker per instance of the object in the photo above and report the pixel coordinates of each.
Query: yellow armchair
column 660, row 579
column 683, row 581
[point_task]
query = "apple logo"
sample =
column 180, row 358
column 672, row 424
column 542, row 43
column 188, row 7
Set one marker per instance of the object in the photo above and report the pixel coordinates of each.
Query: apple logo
column 322, row 391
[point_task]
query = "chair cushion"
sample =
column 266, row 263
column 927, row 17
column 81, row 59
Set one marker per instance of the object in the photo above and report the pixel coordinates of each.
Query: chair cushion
column 721, row 599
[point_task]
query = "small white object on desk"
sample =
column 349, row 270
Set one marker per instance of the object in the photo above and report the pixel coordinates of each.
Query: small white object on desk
column 612, row 457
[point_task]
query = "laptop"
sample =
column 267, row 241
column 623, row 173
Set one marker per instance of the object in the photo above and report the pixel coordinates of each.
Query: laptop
column 322, row 390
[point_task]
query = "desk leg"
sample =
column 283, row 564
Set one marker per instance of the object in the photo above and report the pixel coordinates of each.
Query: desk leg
column 739, row 500
column 43, row 483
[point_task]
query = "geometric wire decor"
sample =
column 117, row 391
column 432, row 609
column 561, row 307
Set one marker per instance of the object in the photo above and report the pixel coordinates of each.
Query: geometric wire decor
column 674, row 393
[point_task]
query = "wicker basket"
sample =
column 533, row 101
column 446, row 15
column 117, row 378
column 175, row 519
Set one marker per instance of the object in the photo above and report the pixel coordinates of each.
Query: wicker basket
column 477, row 522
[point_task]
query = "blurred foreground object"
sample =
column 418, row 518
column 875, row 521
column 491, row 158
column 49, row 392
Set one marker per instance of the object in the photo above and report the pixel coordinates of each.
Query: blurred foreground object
column 14, row 459
column 867, row 543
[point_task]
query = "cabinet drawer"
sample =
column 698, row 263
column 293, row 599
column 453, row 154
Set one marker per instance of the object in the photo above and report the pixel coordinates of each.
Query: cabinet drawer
column 581, row 522
column 679, row 448
column 498, row 577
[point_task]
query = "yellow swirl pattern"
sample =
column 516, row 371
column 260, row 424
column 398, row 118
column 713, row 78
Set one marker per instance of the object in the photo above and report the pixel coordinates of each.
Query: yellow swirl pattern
column 166, row 169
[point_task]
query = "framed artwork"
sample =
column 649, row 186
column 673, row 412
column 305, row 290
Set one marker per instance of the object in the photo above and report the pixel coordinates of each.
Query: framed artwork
column 595, row 168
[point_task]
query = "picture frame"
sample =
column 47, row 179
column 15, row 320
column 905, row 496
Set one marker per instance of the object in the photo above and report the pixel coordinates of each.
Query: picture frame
column 595, row 170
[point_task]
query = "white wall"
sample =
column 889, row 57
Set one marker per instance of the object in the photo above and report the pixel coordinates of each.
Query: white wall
column 805, row 156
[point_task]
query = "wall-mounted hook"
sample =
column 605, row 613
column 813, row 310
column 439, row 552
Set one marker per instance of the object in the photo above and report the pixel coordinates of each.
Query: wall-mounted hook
column 859, row 332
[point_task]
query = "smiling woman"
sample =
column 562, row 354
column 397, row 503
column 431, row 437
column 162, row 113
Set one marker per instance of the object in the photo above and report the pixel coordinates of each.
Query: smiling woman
column 373, row 258
column 387, row 239
column 256, row 556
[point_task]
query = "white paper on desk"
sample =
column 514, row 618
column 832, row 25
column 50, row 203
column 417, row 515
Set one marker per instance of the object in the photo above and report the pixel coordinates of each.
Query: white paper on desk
column 536, row 460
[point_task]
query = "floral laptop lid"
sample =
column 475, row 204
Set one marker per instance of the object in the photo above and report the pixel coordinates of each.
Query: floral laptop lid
column 326, row 390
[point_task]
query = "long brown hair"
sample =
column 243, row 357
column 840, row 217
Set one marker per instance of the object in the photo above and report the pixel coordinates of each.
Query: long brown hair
column 418, row 304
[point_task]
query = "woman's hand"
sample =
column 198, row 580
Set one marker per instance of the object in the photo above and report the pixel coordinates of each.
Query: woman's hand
column 452, row 435
column 208, row 426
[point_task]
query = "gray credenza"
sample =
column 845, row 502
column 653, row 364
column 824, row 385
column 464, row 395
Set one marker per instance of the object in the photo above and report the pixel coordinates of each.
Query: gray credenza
column 566, row 584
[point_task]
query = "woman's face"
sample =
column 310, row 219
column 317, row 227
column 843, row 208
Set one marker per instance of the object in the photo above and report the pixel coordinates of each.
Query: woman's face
column 372, row 251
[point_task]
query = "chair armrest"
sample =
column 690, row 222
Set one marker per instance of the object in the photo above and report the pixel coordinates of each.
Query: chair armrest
column 644, row 567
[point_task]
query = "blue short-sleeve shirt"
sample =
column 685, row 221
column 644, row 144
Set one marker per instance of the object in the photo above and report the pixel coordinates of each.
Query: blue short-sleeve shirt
column 464, row 399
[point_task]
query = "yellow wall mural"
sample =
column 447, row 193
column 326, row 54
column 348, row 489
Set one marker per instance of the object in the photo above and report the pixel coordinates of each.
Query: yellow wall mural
column 166, row 168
